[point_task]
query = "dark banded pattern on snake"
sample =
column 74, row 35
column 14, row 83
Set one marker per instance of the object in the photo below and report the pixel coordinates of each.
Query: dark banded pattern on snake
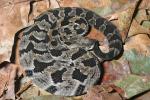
column 59, row 58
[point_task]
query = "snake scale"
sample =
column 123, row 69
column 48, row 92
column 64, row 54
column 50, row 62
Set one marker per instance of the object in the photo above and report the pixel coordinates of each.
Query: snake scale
column 59, row 58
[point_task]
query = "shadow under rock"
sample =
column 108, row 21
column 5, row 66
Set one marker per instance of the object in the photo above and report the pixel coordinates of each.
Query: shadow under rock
column 13, row 57
column 14, row 48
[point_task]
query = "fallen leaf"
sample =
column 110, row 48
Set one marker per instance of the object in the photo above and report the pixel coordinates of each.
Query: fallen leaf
column 8, row 73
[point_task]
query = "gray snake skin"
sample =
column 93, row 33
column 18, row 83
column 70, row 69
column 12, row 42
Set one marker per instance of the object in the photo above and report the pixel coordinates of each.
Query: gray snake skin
column 59, row 58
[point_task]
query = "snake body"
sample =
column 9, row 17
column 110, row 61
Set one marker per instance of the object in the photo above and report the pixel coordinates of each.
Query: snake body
column 59, row 58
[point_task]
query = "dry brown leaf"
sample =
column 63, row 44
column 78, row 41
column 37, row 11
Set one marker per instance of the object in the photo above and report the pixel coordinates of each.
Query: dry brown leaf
column 124, row 20
column 141, row 16
column 136, row 29
column 10, row 21
column 54, row 4
column 90, row 4
column 115, row 70
column 3, row 82
column 139, row 42
column 68, row 3
column 145, row 96
column 101, row 93
column 145, row 4
column 31, row 91
column 8, row 73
